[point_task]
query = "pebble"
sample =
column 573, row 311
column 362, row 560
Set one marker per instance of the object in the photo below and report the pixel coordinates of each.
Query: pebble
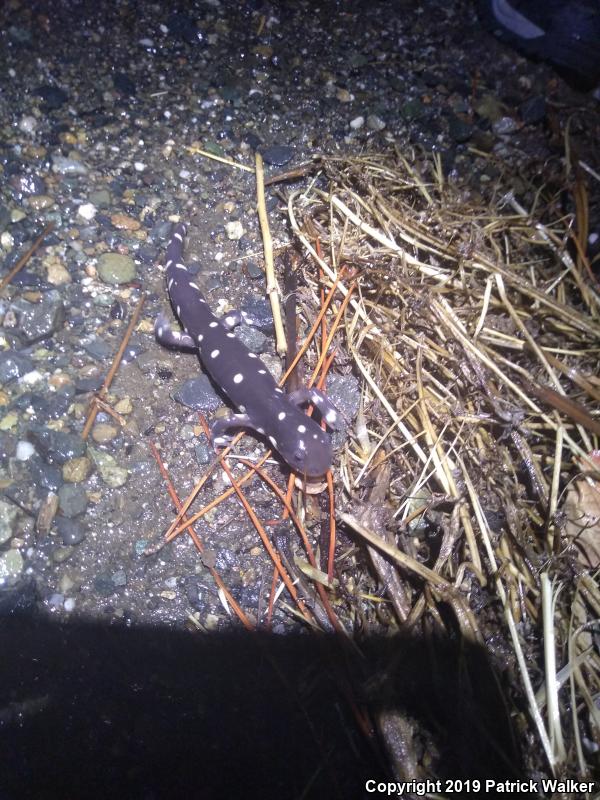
column 234, row 230
column 256, row 312
column 57, row 274
column 253, row 339
column 198, row 394
column 87, row 211
column 103, row 432
column 344, row 96
column 13, row 365
column 71, row 531
column 375, row 123
column 68, row 166
column 101, row 198
column 505, row 126
column 11, row 566
column 124, row 222
column 24, row 451
column 277, row 155
column 77, row 469
column 37, row 321
column 9, row 421
column 39, row 202
column 28, row 124
column 111, row 473
column 357, row 123
column 72, row 500
column 116, row 268
column 124, row 406
column 56, row 447
column 8, row 521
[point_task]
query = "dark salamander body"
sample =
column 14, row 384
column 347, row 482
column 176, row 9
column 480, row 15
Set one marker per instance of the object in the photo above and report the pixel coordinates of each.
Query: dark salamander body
column 263, row 406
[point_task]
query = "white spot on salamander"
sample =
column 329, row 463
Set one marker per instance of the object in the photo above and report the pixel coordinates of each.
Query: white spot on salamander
column 242, row 408
column 168, row 264
column 278, row 389
column 200, row 337
column 160, row 330
column 261, row 430
column 262, row 371
column 238, row 377
column 170, row 283
column 273, row 441
column 213, row 324
column 194, row 286
column 230, row 335
column 181, row 266
column 301, row 429
column 230, row 320
column 252, row 355
column 178, row 236
column 301, row 445
column 281, row 416
column 214, row 353
column 178, row 310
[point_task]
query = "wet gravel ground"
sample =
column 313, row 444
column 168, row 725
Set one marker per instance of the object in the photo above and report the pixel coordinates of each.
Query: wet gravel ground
column 103, row 107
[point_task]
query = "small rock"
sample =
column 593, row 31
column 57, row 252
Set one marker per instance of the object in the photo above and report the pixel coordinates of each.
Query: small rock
column 11, row 565
column 505, row 126
column 37, row 321
column 277, row 155
column 77, row 469
column 357, row 123
column 68, row 166
column 124, row 406
column 103, row 432
column 8, row 521
column 234, row 230
column 57, row 274
column 198, row 394
column 375, row 123
column 28, row 124
column 344, row 96
column 111, row 473
column 72, row 500
column 24, row 451
column 13, row 365
column 116, row 268
column 71, row 531
column 39, row 202
column 124, row 222
column 87, row 211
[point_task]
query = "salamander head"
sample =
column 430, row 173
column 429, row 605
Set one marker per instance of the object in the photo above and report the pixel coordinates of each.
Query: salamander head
column 304, row 446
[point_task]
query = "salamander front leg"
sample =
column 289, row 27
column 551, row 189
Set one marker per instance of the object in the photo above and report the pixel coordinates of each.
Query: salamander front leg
column 166, row 336
column 221, row 428
column 304, row 397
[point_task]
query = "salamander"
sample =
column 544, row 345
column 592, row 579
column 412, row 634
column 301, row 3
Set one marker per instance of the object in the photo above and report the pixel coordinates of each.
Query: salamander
column 261, row 404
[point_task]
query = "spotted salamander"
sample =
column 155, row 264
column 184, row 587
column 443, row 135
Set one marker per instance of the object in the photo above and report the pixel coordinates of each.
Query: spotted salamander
column 262, row 405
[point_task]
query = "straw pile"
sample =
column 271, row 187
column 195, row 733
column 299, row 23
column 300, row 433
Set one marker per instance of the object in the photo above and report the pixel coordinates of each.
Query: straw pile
column 470, row 474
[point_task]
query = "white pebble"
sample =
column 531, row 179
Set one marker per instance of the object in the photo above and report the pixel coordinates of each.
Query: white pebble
column 87, row 211
column 24, row 451
column 357, row 123
column 28, row 124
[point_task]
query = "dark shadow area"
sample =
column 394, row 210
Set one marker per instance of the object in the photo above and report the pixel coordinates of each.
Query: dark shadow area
column 93, row 710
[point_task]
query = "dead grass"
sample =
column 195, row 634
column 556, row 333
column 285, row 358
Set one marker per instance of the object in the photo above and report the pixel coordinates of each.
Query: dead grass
column 476, row 337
